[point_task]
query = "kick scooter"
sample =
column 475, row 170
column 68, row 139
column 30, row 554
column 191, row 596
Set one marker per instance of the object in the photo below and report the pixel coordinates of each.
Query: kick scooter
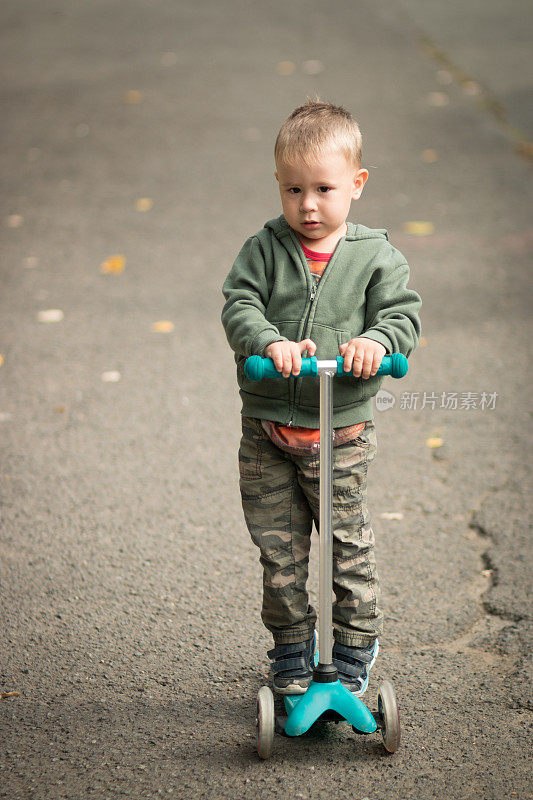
column 326, row 697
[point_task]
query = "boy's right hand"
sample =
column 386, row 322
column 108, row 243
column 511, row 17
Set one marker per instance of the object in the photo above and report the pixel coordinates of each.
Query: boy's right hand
column 287, row 356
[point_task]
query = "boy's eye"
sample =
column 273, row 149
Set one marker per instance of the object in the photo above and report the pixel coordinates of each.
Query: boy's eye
column 294, row 190
column 324, row 189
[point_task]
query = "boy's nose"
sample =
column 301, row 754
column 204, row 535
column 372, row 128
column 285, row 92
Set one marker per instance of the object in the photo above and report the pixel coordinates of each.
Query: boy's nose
column 307, row 203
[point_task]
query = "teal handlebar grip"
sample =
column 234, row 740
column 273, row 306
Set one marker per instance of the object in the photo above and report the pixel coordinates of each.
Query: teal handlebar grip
column 257, row 368
column 395, row 365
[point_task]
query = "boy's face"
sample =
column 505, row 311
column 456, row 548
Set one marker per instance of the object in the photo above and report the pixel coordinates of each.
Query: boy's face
column 316, row 199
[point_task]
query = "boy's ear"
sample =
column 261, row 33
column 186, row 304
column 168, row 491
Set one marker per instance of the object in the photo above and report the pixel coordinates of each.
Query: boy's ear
column 276, row 176
column 359, row 180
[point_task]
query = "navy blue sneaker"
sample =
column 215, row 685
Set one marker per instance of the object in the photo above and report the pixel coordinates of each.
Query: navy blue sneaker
column 292, row 666
column 353, row 665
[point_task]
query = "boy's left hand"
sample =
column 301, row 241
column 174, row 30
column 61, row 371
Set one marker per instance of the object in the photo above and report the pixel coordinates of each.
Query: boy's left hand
column 363, row 356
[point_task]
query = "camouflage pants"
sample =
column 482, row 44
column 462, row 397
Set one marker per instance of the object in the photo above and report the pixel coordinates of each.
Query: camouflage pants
column 280, row 499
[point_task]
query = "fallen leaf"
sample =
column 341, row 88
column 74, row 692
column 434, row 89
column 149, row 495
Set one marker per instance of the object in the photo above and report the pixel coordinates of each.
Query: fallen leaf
column 430, row 156
column 1, row 359
column 14, row 221
column 113, row 376
column 391, row 515
column 3, row 695
column 286, row 67
column 525, row 149
column 59, row 409
column 113, row 265
column 31, row 262
column 50, row 315
column 163, row 326
column 423, row 342
column 471, row 87
column 133, row 96
column 434, row 441
column 438, row 99
column 419, row 228
column 144, row 204
column 5, row 416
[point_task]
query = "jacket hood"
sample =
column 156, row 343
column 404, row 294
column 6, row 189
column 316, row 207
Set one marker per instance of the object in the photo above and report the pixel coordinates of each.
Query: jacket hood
column 281, row 229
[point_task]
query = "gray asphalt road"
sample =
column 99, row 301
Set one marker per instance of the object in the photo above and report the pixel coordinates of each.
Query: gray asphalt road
column 130, row 593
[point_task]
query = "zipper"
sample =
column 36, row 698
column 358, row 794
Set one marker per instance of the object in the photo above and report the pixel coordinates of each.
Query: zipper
column 311, row 301
column 312, row 296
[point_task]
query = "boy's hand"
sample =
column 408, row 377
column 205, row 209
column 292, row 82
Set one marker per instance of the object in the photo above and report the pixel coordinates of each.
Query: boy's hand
column 287, row 356
column 363, row 356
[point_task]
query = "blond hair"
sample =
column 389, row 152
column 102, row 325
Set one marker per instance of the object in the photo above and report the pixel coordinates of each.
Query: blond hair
column 317, row 128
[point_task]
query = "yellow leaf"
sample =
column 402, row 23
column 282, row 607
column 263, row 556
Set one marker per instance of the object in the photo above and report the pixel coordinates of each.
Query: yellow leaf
column 144, row 204
column 391, row 515
column 163, row 326
column 525, row 149
column 423, row 342
column 286, row 67
column 419, row 228
column 133, row 96
column 471, row 87
column 430, row 156
column 113, row 265
column 1, row 359
column 434, row 441
column 14, row 221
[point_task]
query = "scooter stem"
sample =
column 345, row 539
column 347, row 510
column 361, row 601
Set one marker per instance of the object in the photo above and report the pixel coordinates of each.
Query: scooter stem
column 325, row 519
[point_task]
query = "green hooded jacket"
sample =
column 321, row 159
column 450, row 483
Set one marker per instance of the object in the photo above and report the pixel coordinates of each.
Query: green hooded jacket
column 271, row 296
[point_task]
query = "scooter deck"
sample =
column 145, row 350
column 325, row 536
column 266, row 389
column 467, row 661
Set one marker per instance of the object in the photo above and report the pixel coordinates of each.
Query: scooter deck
column 322, row 699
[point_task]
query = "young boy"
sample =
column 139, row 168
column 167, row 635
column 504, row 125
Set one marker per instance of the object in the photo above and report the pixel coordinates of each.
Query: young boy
column 311, row 281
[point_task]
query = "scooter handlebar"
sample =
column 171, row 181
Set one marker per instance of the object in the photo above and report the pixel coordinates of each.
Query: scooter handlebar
column 257, row 368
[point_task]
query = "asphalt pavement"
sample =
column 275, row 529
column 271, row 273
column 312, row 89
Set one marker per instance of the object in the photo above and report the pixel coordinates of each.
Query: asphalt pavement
column 137, row 158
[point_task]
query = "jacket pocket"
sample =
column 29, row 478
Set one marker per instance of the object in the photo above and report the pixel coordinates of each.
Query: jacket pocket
column 273, row 388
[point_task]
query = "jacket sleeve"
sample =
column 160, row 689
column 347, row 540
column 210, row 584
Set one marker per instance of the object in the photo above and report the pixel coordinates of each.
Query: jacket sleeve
column 247, row 292
column 392, row 310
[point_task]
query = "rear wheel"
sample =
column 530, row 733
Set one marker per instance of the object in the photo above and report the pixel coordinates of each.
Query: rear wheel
column 388, row 710
column 265, row 721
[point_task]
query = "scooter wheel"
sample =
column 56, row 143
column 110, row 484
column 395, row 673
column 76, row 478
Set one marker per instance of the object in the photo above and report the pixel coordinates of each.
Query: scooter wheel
column 388, row 710
column 264, row 721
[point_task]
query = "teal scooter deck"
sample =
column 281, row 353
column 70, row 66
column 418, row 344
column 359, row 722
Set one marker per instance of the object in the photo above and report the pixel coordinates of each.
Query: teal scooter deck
column 305, row 709
column 327, row 701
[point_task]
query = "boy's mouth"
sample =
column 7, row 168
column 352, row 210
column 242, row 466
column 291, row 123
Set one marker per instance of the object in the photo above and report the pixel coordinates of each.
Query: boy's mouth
column 310, row 224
